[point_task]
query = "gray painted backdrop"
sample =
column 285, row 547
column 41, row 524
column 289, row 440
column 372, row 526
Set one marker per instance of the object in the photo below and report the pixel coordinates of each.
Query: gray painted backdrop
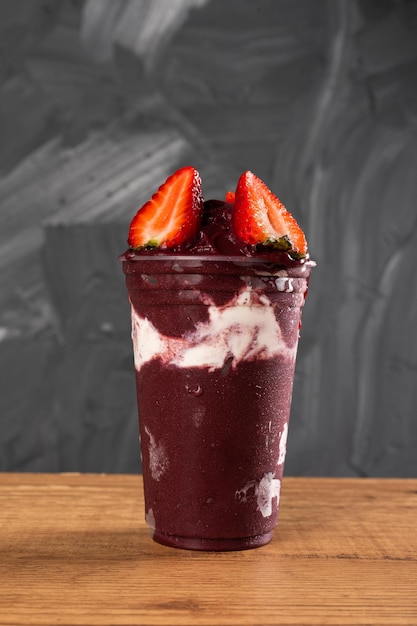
column 100, row 101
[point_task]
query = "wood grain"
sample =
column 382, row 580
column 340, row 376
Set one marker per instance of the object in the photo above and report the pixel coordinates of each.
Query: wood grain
column 74, row 549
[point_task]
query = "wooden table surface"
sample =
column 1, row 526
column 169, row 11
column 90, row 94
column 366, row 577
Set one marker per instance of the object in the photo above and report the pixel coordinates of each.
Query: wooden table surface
column 74, row 550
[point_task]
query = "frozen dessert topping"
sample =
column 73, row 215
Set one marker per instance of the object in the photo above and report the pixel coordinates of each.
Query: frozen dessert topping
column 259, row 217
column 250, row 222
column 172, row 216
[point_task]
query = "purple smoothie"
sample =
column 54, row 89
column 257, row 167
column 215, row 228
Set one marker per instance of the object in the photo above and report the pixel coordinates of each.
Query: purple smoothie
column 215, row 329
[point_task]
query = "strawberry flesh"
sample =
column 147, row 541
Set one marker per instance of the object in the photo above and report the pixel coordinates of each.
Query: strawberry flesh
column 172, row 216
column 260, row 218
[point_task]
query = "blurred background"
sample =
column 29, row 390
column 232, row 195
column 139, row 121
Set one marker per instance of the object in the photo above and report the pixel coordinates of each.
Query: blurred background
column 100, row 101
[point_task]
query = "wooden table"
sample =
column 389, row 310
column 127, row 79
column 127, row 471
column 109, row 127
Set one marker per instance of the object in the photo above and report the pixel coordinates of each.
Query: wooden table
column 74, row 550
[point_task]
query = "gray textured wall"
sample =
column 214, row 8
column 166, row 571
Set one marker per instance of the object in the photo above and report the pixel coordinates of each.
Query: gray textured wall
column 100, row 101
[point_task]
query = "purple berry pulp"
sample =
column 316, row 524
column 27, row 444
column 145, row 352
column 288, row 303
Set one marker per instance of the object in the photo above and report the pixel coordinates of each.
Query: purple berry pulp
column 215, row 329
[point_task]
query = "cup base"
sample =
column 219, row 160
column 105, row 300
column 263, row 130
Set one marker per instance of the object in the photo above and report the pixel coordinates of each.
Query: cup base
column 212, row 545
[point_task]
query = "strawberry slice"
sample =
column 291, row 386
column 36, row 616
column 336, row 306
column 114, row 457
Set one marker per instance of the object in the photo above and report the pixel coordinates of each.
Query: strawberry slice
column 172, row 216
column 259, row 217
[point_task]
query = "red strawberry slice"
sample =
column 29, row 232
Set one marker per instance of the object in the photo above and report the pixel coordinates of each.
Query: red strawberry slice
column 172, row 216
column 259, row 217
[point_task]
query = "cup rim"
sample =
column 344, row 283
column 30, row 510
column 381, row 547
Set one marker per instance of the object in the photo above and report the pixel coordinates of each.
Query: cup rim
column 214, row 258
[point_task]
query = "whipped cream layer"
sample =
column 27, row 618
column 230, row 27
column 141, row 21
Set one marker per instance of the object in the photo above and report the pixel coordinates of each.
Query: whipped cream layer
column 243, row 329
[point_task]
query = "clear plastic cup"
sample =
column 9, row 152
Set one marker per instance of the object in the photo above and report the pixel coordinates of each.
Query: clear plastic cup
column 215, row 342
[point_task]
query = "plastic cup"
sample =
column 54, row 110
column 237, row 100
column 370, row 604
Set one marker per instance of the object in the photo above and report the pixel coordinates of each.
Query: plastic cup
column 215, row 342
